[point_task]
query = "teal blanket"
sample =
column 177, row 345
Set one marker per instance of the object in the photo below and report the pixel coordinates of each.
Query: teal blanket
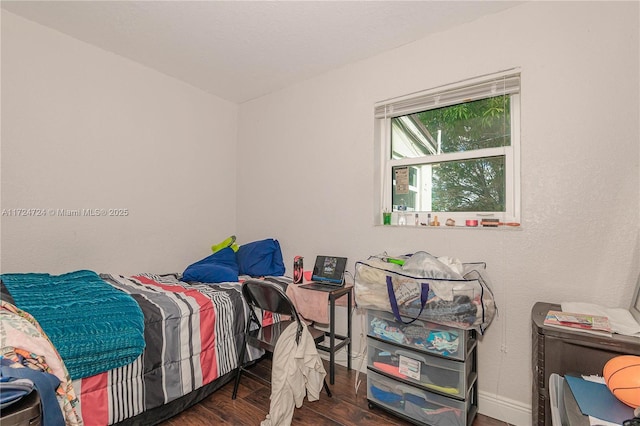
column 94, row 326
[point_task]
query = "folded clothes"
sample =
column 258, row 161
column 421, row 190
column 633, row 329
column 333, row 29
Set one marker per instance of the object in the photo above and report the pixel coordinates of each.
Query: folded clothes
column 440, row 379
column 433, row 414
column 386, row 395
column 384, row 330
column 441, row 417
column 445, row 343
column 389, row 369
column 444, row 389
column 459, row 310
column 385, row 357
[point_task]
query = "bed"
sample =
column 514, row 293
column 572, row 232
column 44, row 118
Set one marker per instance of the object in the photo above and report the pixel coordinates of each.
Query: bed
column 191, row 336
column 192, row 333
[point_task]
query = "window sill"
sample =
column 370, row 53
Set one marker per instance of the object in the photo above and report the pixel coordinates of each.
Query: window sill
column 477, row 228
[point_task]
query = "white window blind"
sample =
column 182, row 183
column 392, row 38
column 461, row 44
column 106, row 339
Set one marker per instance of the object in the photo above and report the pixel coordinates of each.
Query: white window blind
column 502, row 83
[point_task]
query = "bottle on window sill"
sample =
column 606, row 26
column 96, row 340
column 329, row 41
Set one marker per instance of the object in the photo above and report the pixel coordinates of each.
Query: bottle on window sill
column 402, row 215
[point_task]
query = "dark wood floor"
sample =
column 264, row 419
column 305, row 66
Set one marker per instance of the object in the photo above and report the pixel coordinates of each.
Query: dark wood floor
column 252, row 405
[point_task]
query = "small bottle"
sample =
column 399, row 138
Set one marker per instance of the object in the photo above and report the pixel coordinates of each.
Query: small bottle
column 402, row 220
column 402, row 215
column 428, row 219
column 298, row 270
column 417, row 221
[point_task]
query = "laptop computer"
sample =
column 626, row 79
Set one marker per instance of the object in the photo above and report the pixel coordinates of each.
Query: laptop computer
column 328, row 273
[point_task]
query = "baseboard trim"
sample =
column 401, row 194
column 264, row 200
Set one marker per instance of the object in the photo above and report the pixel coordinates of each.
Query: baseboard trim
column 504, row 409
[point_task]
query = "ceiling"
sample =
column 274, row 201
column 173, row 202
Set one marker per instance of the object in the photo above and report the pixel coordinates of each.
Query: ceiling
column 241, row 50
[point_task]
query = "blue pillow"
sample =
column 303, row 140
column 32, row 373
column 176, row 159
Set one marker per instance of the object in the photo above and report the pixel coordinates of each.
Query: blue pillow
column 260, row 258
column 219, row 267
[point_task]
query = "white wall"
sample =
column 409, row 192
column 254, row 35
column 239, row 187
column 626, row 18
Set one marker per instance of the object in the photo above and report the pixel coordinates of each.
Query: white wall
column 86, row 129
column 306, row 169
column 82, row 128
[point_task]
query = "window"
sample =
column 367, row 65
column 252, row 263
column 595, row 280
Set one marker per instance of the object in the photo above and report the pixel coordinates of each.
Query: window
column 452, row 151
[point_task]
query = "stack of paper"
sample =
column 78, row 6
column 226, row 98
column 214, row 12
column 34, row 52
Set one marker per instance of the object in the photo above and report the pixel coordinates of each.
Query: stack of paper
column 581, row 322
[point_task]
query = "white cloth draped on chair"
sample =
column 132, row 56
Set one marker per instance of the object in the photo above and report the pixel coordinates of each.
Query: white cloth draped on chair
column 297, row 370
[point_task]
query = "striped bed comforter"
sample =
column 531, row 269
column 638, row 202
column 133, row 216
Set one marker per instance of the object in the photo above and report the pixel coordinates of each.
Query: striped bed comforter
column 192, row 334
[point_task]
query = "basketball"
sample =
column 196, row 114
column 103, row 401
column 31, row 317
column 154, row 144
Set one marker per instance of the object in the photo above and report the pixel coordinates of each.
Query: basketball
column 622, row 376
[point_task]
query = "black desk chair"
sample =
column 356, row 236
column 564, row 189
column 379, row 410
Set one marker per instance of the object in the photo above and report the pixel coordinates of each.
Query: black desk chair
column 268, row 296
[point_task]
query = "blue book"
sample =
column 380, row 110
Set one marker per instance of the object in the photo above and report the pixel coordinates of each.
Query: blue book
column 596, row 400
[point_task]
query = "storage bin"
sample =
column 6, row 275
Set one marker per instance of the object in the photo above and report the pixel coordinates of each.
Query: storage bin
column 27, row 412
column 465, row 303
column 433, row 338
column 445, row 376
column 420, row 406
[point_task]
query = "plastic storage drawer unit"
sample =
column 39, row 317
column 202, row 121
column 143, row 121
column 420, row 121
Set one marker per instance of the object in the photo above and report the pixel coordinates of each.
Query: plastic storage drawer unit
column 26, row 412
column 446, row 376
column 426, row 336
column 417, row 405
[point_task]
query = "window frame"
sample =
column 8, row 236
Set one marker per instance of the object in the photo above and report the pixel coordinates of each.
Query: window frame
column 505, row 82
